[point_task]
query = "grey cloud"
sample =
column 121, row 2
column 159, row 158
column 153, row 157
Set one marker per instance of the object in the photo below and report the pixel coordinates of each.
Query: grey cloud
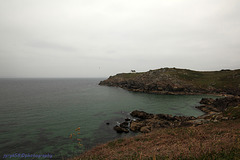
column 61, row 37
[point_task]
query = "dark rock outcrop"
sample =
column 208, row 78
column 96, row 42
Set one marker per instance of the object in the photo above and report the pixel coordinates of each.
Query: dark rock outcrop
column 208, row 101
column 223, row 103
column 127, row 119
column 214, row 112
column 124, row 125
column 148, row 123
column 119, row 129
column 167, row 117
column 141, row 114
column 137, row 125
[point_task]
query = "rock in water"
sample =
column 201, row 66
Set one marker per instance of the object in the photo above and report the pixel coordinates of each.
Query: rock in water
column 141, row 114
column 124, row 125
column 127, row 119
column 120, row 129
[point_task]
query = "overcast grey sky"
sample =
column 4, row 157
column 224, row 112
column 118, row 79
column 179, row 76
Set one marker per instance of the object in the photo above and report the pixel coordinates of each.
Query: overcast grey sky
column 99, row 38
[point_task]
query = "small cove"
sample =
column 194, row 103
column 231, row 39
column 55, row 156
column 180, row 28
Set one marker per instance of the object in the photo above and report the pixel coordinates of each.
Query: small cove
column 38, row 115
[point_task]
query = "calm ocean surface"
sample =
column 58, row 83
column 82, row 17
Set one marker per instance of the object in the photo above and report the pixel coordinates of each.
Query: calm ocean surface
column 38, row 115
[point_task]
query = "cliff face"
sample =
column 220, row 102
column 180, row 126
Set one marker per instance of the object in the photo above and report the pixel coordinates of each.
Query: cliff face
column 178, row 81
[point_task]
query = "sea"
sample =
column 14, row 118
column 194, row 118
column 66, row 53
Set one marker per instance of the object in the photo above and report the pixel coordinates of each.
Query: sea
column 60, row 118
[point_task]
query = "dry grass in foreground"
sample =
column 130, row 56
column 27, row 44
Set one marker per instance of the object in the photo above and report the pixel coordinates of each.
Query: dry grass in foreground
column 210, row 141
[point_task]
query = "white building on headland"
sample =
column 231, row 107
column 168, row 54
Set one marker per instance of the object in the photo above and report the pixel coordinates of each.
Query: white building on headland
column 133, row 71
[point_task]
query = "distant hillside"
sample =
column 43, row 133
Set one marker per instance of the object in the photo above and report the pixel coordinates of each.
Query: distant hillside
column 178, row 81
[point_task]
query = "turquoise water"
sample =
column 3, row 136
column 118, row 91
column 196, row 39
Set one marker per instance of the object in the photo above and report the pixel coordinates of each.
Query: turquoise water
column 38, row 115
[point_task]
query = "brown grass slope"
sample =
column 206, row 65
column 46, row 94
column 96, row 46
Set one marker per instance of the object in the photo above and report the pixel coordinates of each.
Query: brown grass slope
column 219, row 140
column 210, row 141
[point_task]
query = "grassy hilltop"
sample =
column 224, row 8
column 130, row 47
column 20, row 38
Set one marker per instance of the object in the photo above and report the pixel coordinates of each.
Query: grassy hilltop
column 178, row 81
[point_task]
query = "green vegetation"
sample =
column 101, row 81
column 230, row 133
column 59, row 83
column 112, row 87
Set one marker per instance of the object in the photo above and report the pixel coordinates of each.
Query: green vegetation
column 128, row 75
column 233, row 153
column 217, row 79
column 115, row 143
column 233, row 112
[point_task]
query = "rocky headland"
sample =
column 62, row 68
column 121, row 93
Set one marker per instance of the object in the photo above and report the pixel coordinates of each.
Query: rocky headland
column 178, row 81
column 174, row 81
column 213, row 135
